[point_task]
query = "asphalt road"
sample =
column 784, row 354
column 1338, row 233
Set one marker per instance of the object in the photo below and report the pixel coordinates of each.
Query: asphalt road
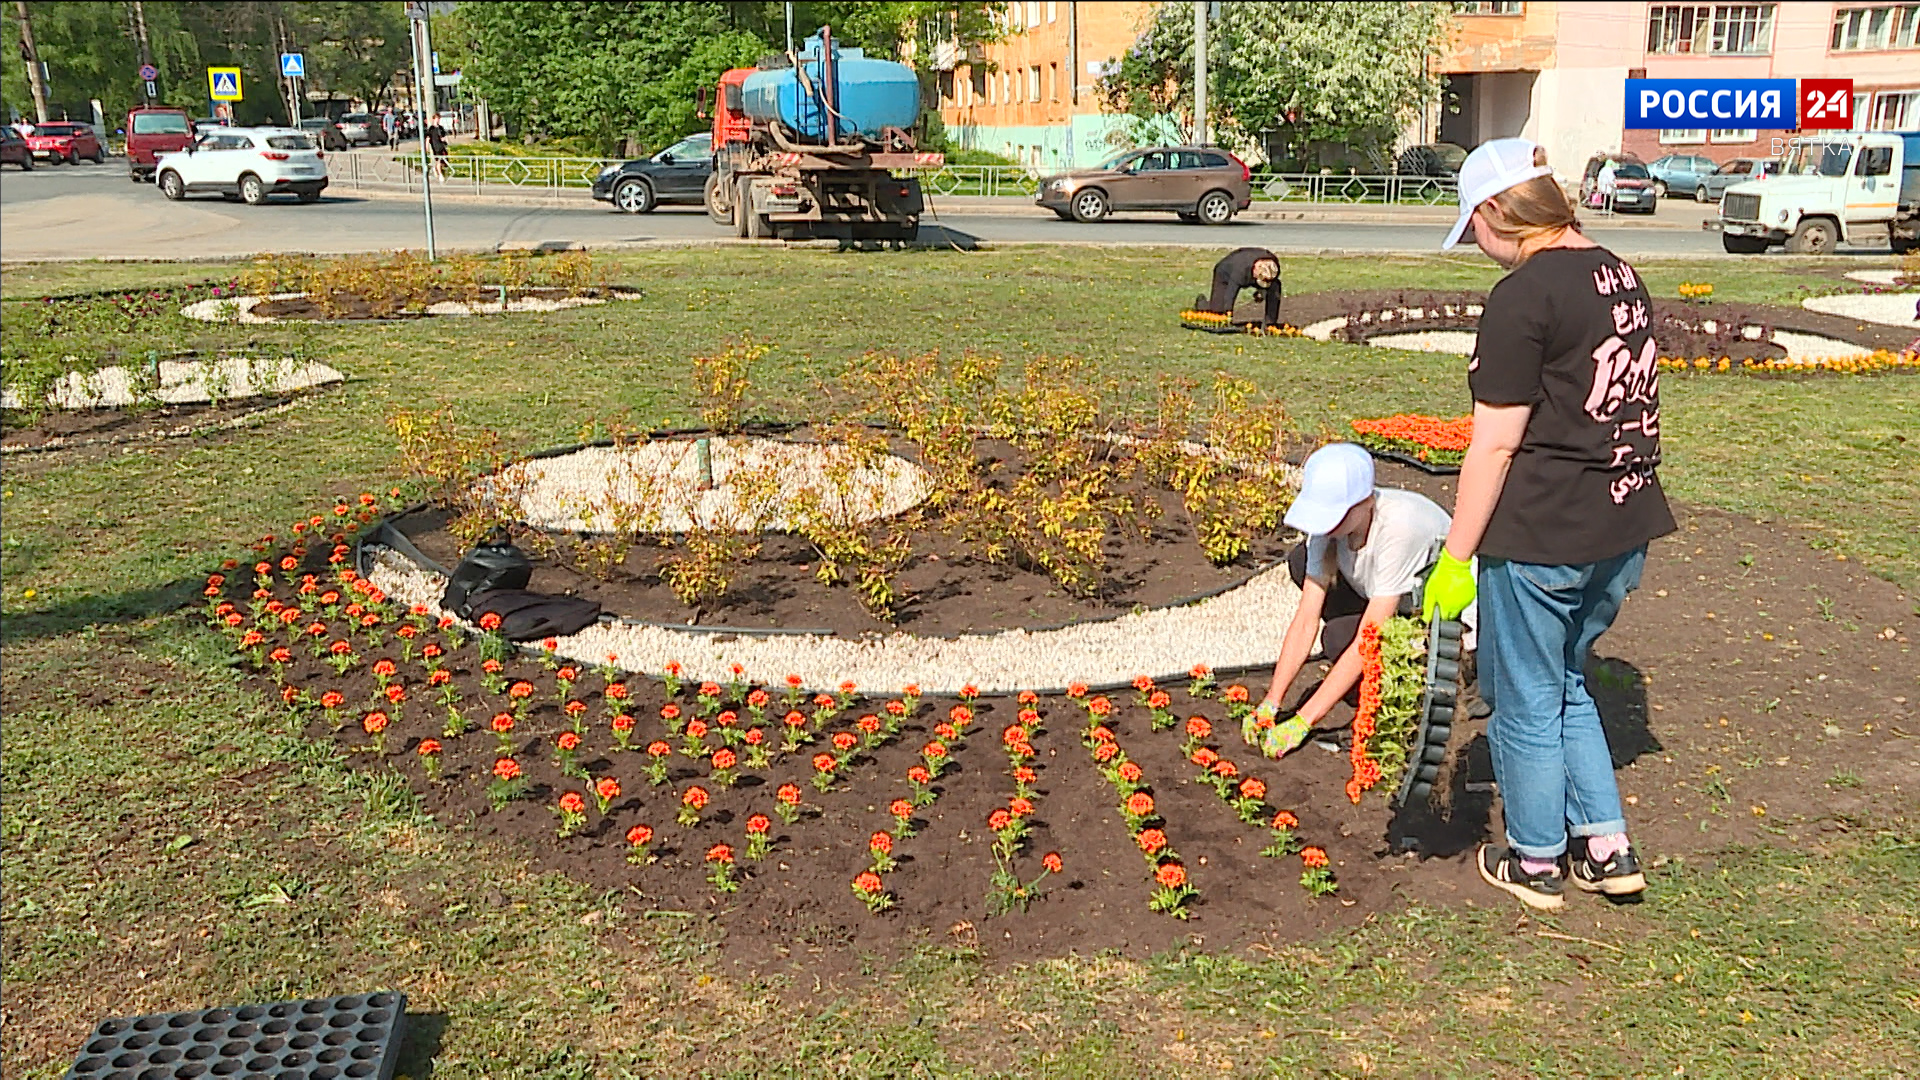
column 93, row 211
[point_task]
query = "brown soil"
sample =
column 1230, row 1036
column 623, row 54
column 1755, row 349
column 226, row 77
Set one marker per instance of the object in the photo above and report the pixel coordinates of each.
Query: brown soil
column 952, row 589
column 1677, row 323
column 1756, row 691
column 355, row 308
column 57, row 430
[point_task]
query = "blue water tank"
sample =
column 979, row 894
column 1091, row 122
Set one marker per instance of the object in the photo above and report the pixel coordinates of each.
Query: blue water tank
column 873, row 95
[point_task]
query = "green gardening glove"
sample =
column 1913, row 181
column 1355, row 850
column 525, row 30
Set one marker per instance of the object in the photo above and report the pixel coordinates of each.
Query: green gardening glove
column 1449, row 590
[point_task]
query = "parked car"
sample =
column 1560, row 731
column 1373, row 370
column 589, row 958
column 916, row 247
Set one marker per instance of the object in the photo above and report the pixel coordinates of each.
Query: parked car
column 152, row 132
column 1431, row 159
column 1630, row 179
column 324, row 132
column 1737, row 171
column 1680, row 174
column 362, row 129
column 13, row 150
column 59, row 140
column 677, row 174
column 246, row 163
column 1199, row 183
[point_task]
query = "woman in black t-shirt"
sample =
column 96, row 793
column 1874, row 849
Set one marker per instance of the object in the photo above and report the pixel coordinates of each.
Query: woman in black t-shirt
column 1558, row 497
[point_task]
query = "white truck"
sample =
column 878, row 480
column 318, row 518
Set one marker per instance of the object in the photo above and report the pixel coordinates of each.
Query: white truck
column 1848, row 186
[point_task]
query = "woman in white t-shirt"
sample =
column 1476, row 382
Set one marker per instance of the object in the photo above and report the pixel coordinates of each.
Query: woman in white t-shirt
column 1366, row 553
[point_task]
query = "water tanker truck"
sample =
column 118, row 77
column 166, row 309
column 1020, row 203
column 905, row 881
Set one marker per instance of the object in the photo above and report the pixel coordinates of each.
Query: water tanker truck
column 812, row 144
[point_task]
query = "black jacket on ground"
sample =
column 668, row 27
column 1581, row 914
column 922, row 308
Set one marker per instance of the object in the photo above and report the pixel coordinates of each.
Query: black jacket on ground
column 1234, row 273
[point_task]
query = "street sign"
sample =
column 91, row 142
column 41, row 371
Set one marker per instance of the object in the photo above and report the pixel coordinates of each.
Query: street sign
column 223, row 83
column 148, row 73
column 293, row 65
column 436, row 61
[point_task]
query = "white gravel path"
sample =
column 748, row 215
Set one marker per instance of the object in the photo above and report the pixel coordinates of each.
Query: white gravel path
column 184, row 382
column 578, row 492
column 1241, row 627
column 1876, row 277
column 1800, row 348
column 1887, row 309
column 239, row 309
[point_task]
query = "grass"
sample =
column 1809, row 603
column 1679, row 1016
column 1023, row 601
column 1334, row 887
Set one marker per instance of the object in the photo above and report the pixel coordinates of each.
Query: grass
column 168, row 844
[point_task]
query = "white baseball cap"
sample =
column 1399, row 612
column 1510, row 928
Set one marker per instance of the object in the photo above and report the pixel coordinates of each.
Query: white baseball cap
column 1493, row 167
column 1335, row 479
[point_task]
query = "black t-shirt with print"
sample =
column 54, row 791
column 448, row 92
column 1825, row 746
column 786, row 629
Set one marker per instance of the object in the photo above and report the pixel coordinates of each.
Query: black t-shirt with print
column 1569, row 332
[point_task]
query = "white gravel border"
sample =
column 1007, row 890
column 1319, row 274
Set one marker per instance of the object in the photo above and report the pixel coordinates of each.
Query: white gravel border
column 239, row 309
column 1875, row 277
column 1801, row 348
column 185, row 382
column 1887, row 309
column 1239, row 628
column 573, row 492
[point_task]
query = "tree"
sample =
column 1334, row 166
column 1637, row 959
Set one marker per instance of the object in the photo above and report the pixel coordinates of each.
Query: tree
column 350, row 45
column 1316, row 72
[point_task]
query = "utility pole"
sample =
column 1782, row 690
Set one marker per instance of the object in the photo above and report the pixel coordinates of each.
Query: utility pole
column 423, row 82
column 146, row 49
column 1200, row 73
column 36, row 75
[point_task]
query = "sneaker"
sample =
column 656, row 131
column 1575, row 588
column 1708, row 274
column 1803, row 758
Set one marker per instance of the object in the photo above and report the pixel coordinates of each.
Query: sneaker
column 1619, row 876
column 1500, row 868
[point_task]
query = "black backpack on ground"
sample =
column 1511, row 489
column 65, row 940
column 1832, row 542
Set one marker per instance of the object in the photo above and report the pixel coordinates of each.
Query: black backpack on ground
column 491, row 566
column 531, row 616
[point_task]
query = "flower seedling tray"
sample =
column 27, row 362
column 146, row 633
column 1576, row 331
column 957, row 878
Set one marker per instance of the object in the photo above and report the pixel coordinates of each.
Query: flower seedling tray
column 1437, row 706
column 350, row 1037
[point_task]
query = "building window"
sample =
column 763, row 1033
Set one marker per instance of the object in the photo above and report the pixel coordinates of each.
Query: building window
column 1681, row 136
column 1051, row 13
column 1857, row 29
column 1860, row 106
column 1736, row 135
column 1742, row 29
column 1053, row 82
column 1896, row 112
column 1489, row 7
column 1033, row 83
column 1678, row 28
column 1033, row 13
column 977, row 84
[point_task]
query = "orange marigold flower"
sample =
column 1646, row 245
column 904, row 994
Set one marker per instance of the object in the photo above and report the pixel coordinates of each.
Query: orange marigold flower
column 1200, row 671
column 573, row 803
column 720, row 853
column 868, row 723
column 919, row 775
column 506, row 769
column 1199, row 728
column 674, row 668
column 1025, row 775
column 1151, row 840
column 823, row 763
column 490, row 621
column 1105, row 752
column 374, row 722
column 1285, row 820
column 428, row 747
column 896, row 708
column 758, row 824
column 1100, row 706
column 1051, row 860
column 793, row 681
column 490, row 666
column 998, row 820
column 1142, row 683
column 961, row 715
column 1159, row 699
column 1013, row 735
column 754, row 737
column 1315, row 858
column 1235, row 694
column 1103, row 733
column 1076, row 689
column 1028, row 697
column 946, row 730
column 727, row 718
column 1204, row 757
column 396, row 693
column 900, row 808
column 847, row 687
column 657, row 748
column 623, row 722
column 1225, row 768
column 695, row 797
column 912, row 689
column 757, row 699
column 867, row 882
column 502, row 723
column 617, row 691
column 1252, row 788
column 332, row 699
column 1172, row 875
column 607, row 787
column 1020, row 806
column 789, row 794
column 1139, row 804
column 794, row 719
column 935, row 749
column 823, row 700
column 844, row 740
column 724, row 758
column 696, row 728
column 881, row 842
column 669, row 711
column 1029, row 717
column 569, row 741
column 439, row 678
column 1130, row 772
column 640, row 835
column 709, row 689
column 521, row 689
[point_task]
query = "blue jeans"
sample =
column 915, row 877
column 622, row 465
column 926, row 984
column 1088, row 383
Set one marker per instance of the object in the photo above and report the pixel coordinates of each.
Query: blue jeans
column 1550, row 755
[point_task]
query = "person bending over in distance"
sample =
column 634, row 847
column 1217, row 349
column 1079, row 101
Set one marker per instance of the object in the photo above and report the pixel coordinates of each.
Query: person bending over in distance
column 1558, row 498
column 1365, row 554
column 1246, row 268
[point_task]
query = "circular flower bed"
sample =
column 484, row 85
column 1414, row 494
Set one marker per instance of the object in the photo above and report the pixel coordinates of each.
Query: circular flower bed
column 180, row 382
column 1900, row 309
column 299, row 306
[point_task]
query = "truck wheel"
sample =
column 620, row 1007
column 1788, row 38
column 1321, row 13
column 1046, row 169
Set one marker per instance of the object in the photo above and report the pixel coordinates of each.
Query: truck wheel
column 1090, row 205
column 742, row 201
column 758, row 227
column 171, row 187
column 715, row 197
column 1903, row 244
column 1214, row 208
column 634, row 196
column 1743, row 245
column 1815, row 236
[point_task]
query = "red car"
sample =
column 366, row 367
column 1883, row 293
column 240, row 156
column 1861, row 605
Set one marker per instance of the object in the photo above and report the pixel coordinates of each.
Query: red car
column 152, row 132
column 58, row 141
column 13, row 150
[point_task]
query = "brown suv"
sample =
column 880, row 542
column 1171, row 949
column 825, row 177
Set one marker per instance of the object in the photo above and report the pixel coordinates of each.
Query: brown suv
column 1199, row 183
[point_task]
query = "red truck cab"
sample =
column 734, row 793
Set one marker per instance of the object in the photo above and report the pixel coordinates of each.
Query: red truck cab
column 730, row 123
column 152, row 131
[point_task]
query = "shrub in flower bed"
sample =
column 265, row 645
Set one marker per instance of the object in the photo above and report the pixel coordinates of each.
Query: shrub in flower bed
column 403, row 284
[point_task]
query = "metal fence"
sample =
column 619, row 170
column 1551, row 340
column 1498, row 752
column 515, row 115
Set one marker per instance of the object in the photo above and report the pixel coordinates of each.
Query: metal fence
column 477, row 174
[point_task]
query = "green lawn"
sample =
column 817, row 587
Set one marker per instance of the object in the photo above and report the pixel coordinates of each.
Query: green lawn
column 168, row 844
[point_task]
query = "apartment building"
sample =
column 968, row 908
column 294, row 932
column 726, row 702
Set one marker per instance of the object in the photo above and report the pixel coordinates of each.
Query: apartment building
column 1554, row 71
column 1031, row 96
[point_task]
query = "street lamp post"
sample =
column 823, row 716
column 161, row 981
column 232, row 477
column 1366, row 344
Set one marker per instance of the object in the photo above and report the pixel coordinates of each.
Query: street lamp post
column 1200, row 72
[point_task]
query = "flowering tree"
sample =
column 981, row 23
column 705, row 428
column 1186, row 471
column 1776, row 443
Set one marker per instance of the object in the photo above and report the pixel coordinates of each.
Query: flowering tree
column 1344, row 73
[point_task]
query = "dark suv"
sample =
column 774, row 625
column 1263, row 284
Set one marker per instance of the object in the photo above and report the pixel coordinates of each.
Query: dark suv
column 677, row 174
column 1199, row 183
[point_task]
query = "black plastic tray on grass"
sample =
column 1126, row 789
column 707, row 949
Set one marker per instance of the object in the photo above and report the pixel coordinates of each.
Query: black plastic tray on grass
column 1429, row 467
column 349, row 1037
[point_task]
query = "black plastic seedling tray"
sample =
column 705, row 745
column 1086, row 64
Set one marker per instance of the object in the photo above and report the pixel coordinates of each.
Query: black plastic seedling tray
column 351, row 1037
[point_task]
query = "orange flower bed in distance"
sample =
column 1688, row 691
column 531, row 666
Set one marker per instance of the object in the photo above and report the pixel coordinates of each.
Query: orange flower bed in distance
column 1424, row 438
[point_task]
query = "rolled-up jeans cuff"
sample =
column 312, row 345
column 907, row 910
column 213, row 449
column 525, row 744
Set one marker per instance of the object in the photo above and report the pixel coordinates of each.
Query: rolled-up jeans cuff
column 1526, row 852
column 1602, row 828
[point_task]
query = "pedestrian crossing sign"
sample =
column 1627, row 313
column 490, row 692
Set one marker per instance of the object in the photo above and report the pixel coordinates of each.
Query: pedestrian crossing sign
column 223, row 83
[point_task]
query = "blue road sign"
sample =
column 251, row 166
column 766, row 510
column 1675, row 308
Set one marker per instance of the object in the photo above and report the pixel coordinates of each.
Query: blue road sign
column 223, row 83
column 148, row 72
column 293, row 65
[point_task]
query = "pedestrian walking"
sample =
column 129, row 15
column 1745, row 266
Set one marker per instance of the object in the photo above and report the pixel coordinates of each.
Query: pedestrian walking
column 1558, row 497
column 390, row 124
column 437, row 142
